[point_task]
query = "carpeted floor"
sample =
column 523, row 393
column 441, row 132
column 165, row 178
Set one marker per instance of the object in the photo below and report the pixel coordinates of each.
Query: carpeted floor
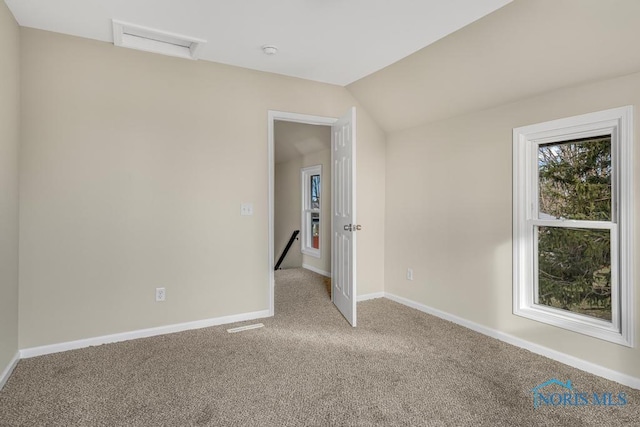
column 306, row 367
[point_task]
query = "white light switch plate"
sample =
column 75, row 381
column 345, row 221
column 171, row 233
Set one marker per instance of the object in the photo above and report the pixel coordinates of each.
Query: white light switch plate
column 246, row 209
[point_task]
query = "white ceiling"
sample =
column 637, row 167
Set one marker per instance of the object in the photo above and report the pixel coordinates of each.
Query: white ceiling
column 333, row 41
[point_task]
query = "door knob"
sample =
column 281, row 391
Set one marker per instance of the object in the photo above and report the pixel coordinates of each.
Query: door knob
column 348, row 228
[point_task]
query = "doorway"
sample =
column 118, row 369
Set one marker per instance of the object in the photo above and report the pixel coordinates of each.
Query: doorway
column 302, row 196
column 342, row 259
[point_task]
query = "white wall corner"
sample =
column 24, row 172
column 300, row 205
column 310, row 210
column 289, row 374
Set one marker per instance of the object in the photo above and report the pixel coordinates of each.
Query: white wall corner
column 141, row 333
column 316, row 270
column 4, row 377
column 366, row 297
column 572, row 361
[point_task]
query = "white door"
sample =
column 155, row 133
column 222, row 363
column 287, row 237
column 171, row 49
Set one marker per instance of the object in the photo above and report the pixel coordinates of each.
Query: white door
column 343, row 258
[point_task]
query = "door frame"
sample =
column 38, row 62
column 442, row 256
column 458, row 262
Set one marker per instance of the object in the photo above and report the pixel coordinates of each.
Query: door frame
column 284, row 116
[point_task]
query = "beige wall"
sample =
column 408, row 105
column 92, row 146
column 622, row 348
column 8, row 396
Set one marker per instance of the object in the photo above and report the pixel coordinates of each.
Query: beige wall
column 448, row 215
column 287, row 202
column 133, row 169
column 9, row 127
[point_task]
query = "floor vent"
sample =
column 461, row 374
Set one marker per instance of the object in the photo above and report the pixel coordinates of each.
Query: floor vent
column 156, row 41
column 245, row 328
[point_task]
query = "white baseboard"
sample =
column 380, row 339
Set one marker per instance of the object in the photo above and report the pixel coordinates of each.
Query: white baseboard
column 366, row 297
column 141, row 333
column 316, row 270
column 4, row 377
column 575, row 362
column 510, row 339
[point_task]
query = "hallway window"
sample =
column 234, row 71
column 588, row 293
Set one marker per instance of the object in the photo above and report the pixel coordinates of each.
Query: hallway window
column 573, row 213
column 311, row 203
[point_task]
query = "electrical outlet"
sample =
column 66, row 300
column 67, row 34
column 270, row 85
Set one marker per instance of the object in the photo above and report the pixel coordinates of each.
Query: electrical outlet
column 409, row 273
column 161, row 294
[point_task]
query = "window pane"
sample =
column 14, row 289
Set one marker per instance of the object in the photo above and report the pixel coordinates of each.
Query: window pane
column 574, row 270
column 315, row 230
column 575, row 179
column 315, row 192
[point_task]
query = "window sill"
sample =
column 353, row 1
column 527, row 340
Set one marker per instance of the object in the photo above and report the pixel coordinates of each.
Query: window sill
column 574, row 322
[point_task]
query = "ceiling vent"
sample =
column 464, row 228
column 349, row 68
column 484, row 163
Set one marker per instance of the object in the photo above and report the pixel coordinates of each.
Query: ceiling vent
column 156, row 41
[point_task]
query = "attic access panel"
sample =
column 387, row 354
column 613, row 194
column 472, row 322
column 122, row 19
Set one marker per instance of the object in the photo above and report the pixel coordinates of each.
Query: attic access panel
column 156, row 41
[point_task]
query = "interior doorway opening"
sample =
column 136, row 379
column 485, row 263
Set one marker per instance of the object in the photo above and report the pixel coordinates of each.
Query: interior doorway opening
column 300, row 199
column 342, row 240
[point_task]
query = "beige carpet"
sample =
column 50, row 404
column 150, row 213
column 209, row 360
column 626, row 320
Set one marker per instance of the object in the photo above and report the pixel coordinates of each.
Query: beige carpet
column 306, row 367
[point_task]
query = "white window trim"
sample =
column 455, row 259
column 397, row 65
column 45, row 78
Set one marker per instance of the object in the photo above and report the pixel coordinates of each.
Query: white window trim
column 307, row 242
column 618, row 122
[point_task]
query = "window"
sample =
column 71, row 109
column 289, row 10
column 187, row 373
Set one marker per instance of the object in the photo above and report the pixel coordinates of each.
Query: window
column 572, row 230
column 311, row 218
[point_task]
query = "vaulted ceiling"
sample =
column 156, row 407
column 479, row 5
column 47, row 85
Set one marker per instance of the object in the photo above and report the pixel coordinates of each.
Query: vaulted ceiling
column 332, row 41
column 407, row 62
column 526, row 48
